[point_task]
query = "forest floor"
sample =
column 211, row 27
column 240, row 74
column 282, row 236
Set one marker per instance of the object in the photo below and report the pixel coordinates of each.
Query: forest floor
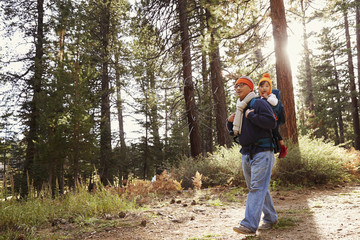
column 323, row 212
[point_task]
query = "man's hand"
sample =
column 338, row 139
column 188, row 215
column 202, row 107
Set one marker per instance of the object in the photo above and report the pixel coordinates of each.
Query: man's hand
column 231, row 118
column 248, row 111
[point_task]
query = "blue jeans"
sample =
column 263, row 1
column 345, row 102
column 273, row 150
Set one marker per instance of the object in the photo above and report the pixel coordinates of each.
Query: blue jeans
column 257, row 173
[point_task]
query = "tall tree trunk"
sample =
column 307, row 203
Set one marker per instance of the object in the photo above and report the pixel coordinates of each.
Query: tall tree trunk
column 146, row 140
column 119, row 106
column 55, row 161
column 166, row 140
column 338, row 102
column 191, row 109
column 154, row 121
column 310, row 96
column 358, row 40
column 207, row 104
column 76, row 131
column 35, row 85
column 337, row 137
column 217, row 86
column 283, row 69
column 105, row 127
column 353, row 92
column 218, row 91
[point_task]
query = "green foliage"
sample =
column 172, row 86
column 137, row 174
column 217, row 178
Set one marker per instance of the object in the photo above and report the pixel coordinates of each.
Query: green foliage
column 148, row 65
column 206, row 237
column 220, row 168
column 311, row 162
column 233, row 194
column 315, row 162
column 285, row 223
column 215, row 202
column 79, row 207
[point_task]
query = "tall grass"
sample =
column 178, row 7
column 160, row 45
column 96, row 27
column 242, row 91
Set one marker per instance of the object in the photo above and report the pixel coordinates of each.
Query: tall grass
column 223, row 167
column 26, row 216
column 312, row 161
column 315, row 161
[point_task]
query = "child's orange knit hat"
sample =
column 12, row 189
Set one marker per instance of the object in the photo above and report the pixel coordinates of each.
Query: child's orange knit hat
column 266, row 78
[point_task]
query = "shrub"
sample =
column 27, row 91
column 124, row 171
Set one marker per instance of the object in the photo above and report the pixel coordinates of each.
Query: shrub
column 223, row 167
column 26, row 216
column 314, row 161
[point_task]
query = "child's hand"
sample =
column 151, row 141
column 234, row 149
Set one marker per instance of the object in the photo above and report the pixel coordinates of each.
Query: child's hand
column 231, row 118
column 265, row 95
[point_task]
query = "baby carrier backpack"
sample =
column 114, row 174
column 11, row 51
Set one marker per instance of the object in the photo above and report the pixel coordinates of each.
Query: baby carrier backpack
column 279, row 114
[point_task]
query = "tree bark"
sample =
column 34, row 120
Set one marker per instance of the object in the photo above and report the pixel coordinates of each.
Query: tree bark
column 105, row 127
column 358, row 40
column 119, row 108
column 218, row 91
column 76, row 132
column 338, row 101
column 146, row 142
column 310, row 97
column 207, row 104
column 283, row 69
column 154, row 121
column 35, row 85
column 217, row 86
column 191, row 109
column 353, row 92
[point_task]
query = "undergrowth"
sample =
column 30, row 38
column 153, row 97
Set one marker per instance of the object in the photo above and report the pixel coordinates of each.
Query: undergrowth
column 80, row 207
column 221, row 168
column 26, row 216
column 311, row 162
column 314, row 161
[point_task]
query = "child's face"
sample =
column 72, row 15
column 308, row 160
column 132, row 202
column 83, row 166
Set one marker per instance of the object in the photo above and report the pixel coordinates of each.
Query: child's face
column 264, row 88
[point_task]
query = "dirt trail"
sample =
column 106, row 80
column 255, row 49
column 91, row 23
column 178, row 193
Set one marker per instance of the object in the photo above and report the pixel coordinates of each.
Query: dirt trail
column 327, row 212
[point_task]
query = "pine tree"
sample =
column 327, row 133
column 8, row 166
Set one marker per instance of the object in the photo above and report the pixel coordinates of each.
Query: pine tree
column 283, row 69
column 217, row 82
column 329, row 97
column 304, row 6
column 353, row 92
column 30, row 23
column 357, row 21
column 191, row 108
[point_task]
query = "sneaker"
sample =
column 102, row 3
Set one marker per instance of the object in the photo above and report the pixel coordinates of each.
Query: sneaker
column 242, row 229
column 267, row 226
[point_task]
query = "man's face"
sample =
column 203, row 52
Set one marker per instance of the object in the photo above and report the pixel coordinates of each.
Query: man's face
column 242, row 90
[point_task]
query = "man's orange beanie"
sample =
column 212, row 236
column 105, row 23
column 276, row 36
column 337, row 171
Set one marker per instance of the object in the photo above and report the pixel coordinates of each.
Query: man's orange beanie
column 247, row 81
column 266, row 78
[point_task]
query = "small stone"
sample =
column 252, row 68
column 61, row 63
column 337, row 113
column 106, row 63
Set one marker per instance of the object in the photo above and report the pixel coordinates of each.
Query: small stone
column 21, row 237
column 143, row 223
column 122, row 215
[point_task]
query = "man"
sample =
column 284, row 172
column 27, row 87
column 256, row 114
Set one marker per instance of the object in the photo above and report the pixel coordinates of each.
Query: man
column 254, row 135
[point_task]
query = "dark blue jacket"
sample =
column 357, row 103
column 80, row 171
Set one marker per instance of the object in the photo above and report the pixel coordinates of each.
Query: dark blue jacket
column 256, row 128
